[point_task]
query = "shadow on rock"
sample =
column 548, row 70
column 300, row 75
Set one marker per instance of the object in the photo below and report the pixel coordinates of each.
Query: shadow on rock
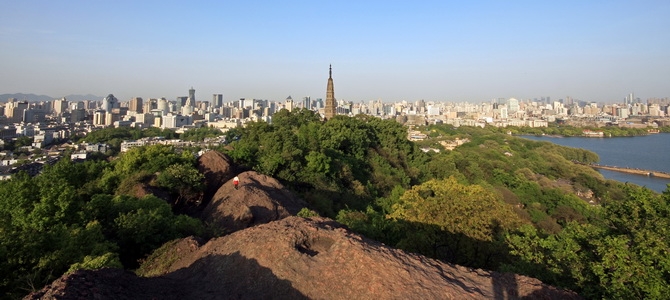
column 217, row 168
column 234, row 277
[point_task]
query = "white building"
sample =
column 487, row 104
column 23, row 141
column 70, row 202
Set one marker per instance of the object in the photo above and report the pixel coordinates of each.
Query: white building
column 175, row 121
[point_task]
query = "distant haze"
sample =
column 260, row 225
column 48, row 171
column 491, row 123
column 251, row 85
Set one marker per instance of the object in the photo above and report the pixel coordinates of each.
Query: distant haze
column 433, row 50
column 37, row 98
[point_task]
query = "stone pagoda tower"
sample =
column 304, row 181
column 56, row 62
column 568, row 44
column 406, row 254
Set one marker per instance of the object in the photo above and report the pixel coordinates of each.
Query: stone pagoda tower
column 330, row 97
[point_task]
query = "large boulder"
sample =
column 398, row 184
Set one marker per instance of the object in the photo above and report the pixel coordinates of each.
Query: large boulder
column 109, row 284
column 142, row 189
column 318, row 258
column 218, row 168
column 298, row 258
column 257, row 200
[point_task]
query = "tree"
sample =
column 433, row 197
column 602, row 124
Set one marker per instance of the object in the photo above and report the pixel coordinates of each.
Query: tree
column 23, row 141
column 200, row 134
column 462, row 223
column 59, row 220
column 347, row 135
column 184, row 180
column 627, row 256
column 138, row 225
column 470, row 210
column 296, row 118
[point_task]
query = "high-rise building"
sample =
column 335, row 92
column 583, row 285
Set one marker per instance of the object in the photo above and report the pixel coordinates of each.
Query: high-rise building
column 111, row 117
column 60, row 106
column 307, row 102
column 202, row 106
column 512, row 105
column 99, row 117
column 289, row 103
column 176, row 121
column 330, row 97
column 109, row 102
column 190, row 102
column 186, row 110
column 77, row 115
column 14, row 110
column 33, row 115
column 77, row 105
column 318, row 103
column 136, row 105
column 181, row 101
column 630, row 98
column 246, row 103
column 163, row 106
column 88, row 104
column 217, row 100
column 421, row 106
column 152, row 103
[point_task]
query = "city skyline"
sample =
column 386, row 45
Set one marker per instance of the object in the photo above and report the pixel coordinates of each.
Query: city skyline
column 593, row 51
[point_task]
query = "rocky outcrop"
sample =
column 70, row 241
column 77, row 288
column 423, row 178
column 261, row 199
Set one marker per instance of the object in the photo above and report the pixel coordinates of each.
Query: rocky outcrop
column 297, row 258
column 109, row 284
column 218, row 168
column 142, row 189
column 259, row 199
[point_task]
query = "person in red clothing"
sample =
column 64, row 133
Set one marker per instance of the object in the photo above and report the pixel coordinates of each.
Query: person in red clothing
column 236, row 181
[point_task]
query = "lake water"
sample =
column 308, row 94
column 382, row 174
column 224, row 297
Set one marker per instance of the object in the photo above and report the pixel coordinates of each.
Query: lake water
column 643, row 152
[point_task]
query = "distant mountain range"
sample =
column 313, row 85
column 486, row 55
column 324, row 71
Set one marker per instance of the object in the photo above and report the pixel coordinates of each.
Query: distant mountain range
column 38, row 98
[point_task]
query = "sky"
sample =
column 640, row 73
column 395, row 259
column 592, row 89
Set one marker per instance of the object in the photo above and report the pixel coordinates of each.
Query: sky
column 391, row 50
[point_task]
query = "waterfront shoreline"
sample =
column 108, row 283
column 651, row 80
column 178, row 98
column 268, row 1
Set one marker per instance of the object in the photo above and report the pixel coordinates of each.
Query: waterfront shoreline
column 648, row 173
column 579, row 136
column 641, row 153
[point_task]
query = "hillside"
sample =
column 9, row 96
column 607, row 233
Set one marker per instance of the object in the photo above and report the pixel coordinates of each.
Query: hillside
column 273, row 254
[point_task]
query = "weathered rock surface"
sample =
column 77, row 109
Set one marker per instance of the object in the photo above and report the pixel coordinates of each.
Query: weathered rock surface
column 320, row 259
column 218, row 168
column 109, row 284
column 259, row 199
column 142, row 189
column 298, row 258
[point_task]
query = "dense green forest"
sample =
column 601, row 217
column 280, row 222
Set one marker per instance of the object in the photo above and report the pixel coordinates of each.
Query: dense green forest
column 80, row 215
column 497, row 202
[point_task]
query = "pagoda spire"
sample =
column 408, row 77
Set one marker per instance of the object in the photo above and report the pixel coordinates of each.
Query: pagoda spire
column 330, row 110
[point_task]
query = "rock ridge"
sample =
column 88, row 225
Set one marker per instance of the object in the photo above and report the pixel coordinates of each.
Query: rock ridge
column 301, row 258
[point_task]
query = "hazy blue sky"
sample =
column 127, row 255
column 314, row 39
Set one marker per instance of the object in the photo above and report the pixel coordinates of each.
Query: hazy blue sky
column 393, row 50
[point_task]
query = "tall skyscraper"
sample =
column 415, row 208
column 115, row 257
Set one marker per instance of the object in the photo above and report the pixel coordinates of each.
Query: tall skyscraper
column 149, row 105
column 190, row 101
column 136, row 105
column 307, row 102
column 330, row 97
column 99, row 117
column 191, row 94
column 163, row 106
column 109, row 102
column 60, row 106
column 181, row 101
column 217, row 100
column 512, row 105
column 318, row 103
